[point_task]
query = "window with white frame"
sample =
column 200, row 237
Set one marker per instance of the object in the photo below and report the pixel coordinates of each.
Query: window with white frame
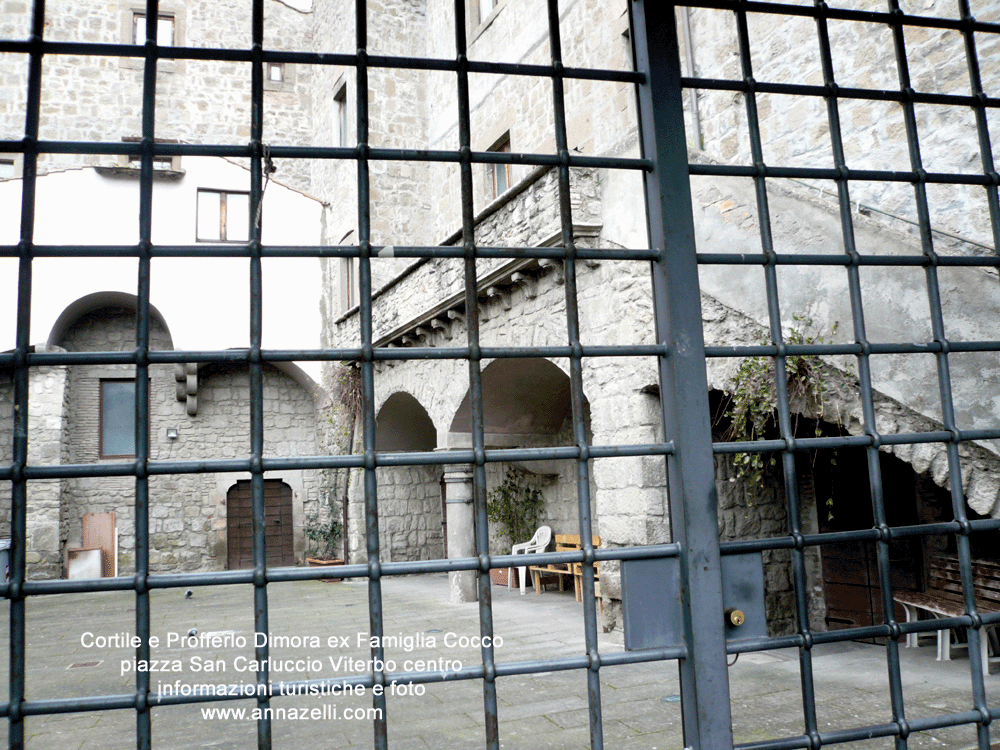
column 223, row 216
column 164, row 29
column 161, row 162
column 498, row 175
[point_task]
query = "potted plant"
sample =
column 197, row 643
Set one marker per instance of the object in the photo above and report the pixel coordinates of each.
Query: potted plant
column 515, row 507
column 325, row 533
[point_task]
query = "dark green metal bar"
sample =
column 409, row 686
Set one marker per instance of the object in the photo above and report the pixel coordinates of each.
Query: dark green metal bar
column 376, row 622
column 864, row 371
column 982, row 124
column 256, row 372
column 22, row 374
column 683, row 381
column 577, row 399
column 482, row 537
column 143, row 731
column 785, row 425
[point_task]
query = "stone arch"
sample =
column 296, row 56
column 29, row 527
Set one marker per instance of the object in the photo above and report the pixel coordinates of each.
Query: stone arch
column 403, row 424
column 96, row 301
column 520, row 397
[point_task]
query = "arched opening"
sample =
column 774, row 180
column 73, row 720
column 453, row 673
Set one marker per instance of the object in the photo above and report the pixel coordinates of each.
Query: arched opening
column 411, row 504
column 520, row 397
column 526, row 404
column 402, row 424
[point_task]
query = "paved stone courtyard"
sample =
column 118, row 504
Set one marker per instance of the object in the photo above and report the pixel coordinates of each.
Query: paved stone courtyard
column 549, row 710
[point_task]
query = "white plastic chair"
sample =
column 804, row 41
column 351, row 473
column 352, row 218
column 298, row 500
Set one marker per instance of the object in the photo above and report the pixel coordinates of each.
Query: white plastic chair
column 537, row 543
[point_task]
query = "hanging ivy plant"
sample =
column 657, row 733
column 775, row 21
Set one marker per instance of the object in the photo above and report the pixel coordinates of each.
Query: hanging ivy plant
column 753, row 401
column 515, row 506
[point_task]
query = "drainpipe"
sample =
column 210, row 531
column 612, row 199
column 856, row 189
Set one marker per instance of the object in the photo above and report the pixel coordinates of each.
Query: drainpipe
column 692, row 94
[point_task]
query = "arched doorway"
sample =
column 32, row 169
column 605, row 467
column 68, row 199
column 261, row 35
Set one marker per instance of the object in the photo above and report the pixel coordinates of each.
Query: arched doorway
column 277, row 524
column 411, row 513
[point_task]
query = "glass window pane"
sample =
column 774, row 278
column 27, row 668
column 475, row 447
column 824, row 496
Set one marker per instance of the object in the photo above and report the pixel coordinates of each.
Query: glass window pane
column 237, row 217
column 208, row 215
column 118, row 418
column 165, row 32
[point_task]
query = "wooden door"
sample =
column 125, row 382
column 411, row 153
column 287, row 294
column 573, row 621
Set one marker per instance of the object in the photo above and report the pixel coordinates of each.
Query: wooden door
column 277, row 524
column 850, row 569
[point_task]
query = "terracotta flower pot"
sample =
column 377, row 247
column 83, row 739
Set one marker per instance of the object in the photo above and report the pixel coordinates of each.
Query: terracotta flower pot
column 325, row 562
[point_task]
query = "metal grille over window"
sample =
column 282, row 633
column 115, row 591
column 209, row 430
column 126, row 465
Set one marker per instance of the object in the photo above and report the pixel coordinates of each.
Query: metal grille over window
column 340, row 343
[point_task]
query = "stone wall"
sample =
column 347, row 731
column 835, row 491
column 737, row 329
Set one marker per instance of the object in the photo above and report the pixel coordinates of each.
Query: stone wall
column 6, row 447
column 187, row 512
column 409, row 514
column 206, row 102
column 795, row 130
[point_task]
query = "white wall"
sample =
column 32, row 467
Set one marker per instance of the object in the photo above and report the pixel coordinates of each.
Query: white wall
column 204, row 300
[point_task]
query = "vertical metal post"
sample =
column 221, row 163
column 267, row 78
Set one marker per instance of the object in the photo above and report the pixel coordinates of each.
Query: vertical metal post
column 576, row 383
column 683, row 381
column 260, row 606
column 482, row 533
column 380, row 726
column 19, row 447
column 143, row 728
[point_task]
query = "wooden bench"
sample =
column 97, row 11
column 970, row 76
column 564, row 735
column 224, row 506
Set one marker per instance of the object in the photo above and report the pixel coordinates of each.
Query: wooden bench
column 564, row 543
column 943, row 598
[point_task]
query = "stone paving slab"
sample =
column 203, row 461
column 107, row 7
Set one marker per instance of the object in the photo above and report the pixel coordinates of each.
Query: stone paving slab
column 640, row 705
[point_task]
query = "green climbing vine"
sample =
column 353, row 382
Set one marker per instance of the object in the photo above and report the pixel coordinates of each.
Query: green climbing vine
column 324, row 525
column 812, row 386
column 515, row 505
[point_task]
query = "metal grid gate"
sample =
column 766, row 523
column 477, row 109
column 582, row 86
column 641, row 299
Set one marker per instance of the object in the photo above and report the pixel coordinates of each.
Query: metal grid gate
column 679, row 350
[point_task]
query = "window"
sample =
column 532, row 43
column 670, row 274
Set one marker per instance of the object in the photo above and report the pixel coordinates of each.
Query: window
column 279, row 76
column 349, row 296
column 117, row 418
column 160, row 163
column 223, row 216
column 164, row 29
column 10, row 166
column 170, row 32
column 485, row 8
column 479, row 12
column 351, row 282
column 340, row 116
column 499, row 174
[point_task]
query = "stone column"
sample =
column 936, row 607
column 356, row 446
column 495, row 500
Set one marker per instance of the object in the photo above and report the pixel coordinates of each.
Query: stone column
column 461, row 531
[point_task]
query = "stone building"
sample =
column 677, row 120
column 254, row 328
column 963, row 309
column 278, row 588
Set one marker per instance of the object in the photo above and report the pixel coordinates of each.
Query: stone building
column 98, row 98
column 79, row 414
column 198, row 522
column 423, row 404
column 84, row 414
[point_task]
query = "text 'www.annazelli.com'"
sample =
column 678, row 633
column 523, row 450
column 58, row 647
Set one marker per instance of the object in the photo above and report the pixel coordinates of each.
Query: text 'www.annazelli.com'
column 326, row 712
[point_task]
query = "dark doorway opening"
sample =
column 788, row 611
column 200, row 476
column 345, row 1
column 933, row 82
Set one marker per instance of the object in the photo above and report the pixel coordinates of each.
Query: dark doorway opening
column 851, row 584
